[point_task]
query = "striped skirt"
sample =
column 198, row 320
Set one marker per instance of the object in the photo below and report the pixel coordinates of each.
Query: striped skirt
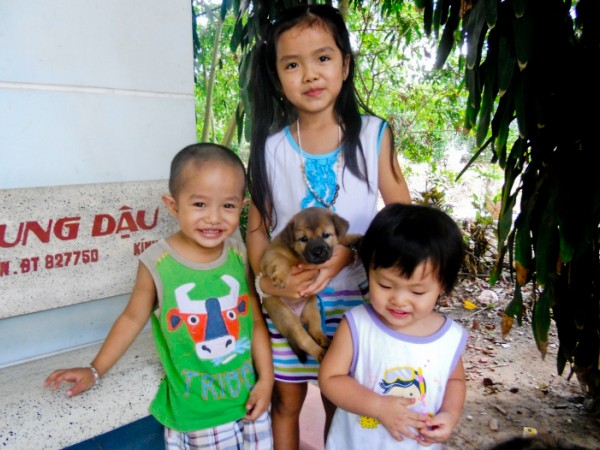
column 347, row 290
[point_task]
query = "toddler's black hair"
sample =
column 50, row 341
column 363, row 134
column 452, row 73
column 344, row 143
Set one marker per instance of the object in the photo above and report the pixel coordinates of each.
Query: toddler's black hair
column 403, row 236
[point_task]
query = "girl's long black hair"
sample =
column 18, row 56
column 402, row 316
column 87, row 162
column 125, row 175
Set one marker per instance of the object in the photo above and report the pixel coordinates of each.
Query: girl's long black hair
column 271, row 111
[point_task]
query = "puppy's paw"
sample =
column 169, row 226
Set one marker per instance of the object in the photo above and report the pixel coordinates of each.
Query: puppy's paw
column 279, row 276
column 323, row 341
column 278, row 282
column 319, row 356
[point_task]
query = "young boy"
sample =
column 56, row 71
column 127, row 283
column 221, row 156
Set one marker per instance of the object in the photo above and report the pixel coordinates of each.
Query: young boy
column 394, row 367
column 207, row 325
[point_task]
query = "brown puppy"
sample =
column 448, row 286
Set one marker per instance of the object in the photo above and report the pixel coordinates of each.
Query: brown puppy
column 309, row 237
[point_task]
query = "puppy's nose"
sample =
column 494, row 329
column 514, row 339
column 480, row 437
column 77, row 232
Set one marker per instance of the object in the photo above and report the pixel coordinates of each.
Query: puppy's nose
column 318, row 254
column 317, row 251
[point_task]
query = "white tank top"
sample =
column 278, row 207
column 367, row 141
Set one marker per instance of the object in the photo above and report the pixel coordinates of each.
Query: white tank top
column 355, row 202
column 392, row 363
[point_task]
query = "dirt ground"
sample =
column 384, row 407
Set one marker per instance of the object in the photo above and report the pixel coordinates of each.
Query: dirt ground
column 509, row 386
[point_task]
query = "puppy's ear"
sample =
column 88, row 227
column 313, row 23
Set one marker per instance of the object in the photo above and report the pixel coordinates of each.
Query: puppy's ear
column 341, row 225
column 287, row 234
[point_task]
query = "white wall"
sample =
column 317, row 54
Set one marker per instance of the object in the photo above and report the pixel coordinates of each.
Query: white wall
column 92, row 93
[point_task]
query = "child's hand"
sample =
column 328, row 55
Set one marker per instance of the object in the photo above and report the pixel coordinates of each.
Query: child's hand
column 328, row 270
column 302, row 276
column 81, row 377
column 259, row 400
column 401, row 421
column 439, row 427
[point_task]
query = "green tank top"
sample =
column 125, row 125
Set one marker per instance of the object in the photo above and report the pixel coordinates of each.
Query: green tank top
column 202, row 328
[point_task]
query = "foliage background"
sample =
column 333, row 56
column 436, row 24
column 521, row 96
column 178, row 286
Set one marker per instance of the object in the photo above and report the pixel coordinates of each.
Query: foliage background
column 515, row 84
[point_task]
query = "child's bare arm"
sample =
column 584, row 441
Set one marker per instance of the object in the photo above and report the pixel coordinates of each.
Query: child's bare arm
column 260, row 397
column 336, row 385
column 123, row 332
column 392, row 188
column 440, row 427
column 257, row 239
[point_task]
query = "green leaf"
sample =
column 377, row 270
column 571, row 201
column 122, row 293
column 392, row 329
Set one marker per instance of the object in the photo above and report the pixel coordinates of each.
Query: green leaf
column 444, row 47
column 236, row 36
column 428, row 17
column 473, row 100
column 225, row 5
column 445, row 6
column 505, row 218
column 514, row 165
column 546, row 255
column 521, row 98
column 561, row 361
column 523, row 249
column 506, row 64
column 473, row 159
column 447, row 41
column 511, row 173
column 515, row 308
column 245, row 71
column 487, row 104
column 523, row 31
column 497, row 269
column 473, row 24
column 491, row 13
column 567, row 250
column 519, row 7
column 540, row 322
column 501, row 126
column 485, row 113
column 571, row 183
column 420, row 4
column 470, row 116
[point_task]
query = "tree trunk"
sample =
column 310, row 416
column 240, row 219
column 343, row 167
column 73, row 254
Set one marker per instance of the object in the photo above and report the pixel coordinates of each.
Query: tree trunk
column 211, row 83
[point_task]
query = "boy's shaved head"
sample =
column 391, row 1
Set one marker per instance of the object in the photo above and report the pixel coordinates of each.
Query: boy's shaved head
column 199, row 154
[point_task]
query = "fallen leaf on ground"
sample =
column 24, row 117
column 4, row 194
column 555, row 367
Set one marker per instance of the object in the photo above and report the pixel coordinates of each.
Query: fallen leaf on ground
column 469, row 305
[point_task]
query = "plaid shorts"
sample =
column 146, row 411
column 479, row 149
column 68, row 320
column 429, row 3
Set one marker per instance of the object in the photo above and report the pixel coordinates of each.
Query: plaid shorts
column 239, row 435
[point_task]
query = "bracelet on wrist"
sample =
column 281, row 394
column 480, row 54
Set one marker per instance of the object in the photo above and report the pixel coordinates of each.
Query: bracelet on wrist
column 95, row 373
column 259, row 291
